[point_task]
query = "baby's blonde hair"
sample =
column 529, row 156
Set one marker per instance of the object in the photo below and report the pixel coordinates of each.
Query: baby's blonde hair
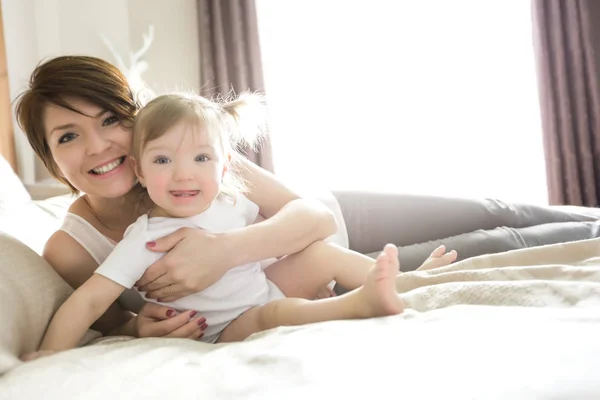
column 232, row 123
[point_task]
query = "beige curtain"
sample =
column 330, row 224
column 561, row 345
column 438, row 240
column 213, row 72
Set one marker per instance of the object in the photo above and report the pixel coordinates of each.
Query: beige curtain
column 7, row 141
column 230, row 56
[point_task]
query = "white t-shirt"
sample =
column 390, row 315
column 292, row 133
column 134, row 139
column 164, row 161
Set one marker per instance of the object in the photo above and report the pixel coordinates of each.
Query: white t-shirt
column 238, row 290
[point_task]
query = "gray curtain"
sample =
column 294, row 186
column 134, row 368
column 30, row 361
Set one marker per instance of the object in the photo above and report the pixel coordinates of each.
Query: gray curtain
column 230, row 57
column 567, row 47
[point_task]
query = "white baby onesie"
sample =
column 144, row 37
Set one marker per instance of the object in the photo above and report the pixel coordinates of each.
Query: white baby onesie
column 240, row 289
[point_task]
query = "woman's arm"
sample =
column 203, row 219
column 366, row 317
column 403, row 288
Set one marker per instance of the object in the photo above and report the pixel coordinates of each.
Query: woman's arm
column 79, row 312
column 291, row 222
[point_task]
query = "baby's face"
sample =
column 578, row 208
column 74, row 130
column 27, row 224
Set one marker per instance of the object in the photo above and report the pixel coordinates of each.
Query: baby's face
column 182, row 170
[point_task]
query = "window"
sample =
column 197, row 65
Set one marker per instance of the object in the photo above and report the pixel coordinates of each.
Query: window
column 431, row 97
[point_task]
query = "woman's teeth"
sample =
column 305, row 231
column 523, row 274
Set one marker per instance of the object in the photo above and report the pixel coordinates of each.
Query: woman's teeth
column 108, row 167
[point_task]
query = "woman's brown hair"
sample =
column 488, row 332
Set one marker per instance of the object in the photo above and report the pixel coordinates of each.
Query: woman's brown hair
column 82, row 77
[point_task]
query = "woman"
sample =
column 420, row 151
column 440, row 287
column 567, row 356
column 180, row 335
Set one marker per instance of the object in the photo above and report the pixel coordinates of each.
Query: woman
column 77, row 115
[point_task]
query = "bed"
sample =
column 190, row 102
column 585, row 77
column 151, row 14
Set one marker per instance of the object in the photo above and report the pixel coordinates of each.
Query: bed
column 509, row 323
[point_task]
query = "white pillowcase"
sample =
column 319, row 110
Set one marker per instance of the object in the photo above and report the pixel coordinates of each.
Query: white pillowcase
column 30, row 293
column 12, row 190
column 31, row 222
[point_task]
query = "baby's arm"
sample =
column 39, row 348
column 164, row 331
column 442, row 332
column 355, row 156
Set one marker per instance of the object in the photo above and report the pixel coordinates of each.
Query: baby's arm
column 119, row 271
column 79, row 312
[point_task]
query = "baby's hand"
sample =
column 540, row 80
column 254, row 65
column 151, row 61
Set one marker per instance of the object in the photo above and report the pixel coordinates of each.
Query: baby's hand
column 439, row 258
column 36, row 354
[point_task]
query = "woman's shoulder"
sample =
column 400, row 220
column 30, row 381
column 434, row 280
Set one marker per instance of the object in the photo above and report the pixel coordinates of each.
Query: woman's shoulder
column 61, row 242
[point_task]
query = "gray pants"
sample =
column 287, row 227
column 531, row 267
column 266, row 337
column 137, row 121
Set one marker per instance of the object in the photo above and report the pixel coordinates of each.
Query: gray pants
column 418, row 224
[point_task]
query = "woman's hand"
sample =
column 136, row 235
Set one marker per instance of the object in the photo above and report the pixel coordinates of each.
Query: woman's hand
column 195, row 260
column 155, row 320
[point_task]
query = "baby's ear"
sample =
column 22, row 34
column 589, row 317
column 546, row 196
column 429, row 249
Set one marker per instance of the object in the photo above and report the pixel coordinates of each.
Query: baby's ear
column 226, row 164
column 136, row 170
column 133, row 163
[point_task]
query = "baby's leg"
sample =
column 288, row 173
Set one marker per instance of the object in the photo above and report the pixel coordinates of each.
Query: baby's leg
column 376, row 298
column 303, row 274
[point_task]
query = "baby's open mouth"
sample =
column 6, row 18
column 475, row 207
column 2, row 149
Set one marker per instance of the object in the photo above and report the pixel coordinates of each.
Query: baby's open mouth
column 184, row 193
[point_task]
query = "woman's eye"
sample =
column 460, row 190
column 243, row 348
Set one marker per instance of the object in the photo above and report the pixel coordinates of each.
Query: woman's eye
column 113, row 119
column 202, row 158
column 161, row 160
column 67, row 137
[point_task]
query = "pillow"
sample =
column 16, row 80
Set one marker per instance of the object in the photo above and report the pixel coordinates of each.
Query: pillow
column 33, row 222
column 12, row 190
column 30, row 293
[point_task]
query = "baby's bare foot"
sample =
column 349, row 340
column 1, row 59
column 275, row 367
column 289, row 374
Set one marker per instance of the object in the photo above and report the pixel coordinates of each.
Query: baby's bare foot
column 379, row 291
column 439, row 258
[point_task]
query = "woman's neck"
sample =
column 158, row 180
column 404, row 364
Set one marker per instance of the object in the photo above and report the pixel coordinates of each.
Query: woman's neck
column 114, row 214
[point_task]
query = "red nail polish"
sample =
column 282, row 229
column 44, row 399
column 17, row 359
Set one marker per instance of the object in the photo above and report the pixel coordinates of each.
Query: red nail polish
column 202, row 334
column 150, row 244
column 170, row 313
column 203, row 326
column 201, row 321
column 193, row 313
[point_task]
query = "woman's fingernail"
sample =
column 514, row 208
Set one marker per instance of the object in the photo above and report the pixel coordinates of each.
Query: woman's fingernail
column 151, row 244
column 201, row 321
column 170, row 313
column 203, row 326
column 193, row 313
column 202, row 334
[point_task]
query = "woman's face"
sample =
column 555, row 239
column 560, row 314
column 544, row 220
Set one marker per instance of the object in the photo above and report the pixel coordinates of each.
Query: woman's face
column 91, row 150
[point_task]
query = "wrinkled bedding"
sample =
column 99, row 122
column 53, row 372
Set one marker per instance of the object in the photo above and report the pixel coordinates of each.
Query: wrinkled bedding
column 523, row 324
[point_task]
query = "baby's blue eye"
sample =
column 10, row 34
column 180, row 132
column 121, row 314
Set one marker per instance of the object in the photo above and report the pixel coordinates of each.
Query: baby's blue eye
column 202, row 158
column 161, row 160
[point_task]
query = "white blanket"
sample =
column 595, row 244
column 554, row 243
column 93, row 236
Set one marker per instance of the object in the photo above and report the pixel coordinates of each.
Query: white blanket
column 518, row 325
